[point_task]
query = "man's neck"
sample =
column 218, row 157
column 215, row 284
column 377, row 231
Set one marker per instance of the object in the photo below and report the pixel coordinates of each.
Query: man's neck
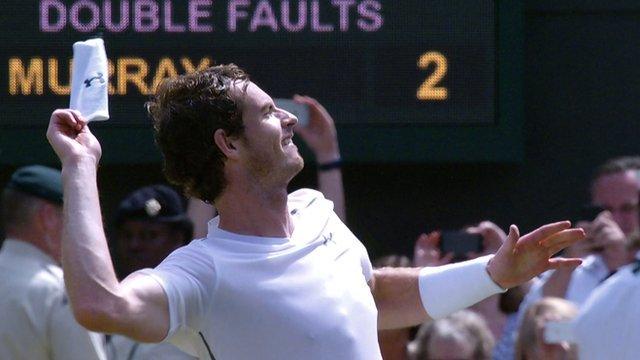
column 255, row 211
column 35, row 240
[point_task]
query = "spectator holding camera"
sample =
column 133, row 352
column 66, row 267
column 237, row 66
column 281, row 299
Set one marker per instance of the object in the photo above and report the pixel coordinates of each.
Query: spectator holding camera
column 614, row 188
column 481, row 239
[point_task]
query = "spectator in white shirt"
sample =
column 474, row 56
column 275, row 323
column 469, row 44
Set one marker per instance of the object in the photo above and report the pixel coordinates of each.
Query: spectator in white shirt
column 615, row 188
column 608, row 326
column 36, row 321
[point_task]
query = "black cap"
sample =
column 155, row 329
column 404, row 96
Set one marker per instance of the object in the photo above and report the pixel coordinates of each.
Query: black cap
column 156, row 203
column 39, row 181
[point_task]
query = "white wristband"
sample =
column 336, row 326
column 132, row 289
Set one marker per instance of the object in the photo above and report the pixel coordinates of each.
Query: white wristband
column 447, row 289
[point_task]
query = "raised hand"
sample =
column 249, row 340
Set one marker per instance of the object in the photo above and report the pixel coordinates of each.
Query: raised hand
column 492, row 238
column 320, row 134
column 69, row 135
column 426, row 251
column 604, row 236
column 520, row 259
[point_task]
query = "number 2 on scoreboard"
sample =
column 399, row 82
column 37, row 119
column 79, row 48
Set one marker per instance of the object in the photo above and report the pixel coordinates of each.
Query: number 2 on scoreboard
column 429, row 90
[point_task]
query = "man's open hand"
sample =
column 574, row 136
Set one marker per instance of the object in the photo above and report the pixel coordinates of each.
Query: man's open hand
column 69, row 135
column 520, row 259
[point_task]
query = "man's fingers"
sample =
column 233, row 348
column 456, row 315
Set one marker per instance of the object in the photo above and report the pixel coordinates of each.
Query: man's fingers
column 563, row 239
column 433, row 238
column 472, row 255
column 512, row 238
column 79, row 118
column 597, row 228
column 546, row 231
column 69, row 118
column 563, row 236
column 446, row 259
column 474, row 230
column 557, row 263
column 559, row 247
column 307, row 100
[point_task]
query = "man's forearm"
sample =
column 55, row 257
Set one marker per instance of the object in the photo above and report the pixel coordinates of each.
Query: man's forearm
column 88, row 272
column 397, row 295
column 409, row 296
column 330, row 180
column 330, row 184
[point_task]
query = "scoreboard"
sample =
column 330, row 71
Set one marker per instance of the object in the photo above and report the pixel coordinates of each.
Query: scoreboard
column 408, row 81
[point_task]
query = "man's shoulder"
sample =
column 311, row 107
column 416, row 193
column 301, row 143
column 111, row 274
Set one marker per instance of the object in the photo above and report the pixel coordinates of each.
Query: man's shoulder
column 194, row 253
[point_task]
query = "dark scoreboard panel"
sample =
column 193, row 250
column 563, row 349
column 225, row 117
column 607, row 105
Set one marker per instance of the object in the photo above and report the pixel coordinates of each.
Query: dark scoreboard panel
column 419, row 80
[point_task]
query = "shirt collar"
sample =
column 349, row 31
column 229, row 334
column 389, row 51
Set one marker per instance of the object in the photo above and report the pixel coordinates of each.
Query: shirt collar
column 595, row 265
column 22, row 249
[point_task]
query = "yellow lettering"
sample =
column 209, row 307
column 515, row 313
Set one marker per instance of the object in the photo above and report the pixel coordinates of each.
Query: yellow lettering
column 111, row 70
column 54, row 84
column 140, row 69
column 188, row 65
column 165, row 69
column 23, row 81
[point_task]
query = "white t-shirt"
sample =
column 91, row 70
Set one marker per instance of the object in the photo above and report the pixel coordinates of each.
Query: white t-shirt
column 608, row 326
column 247, row 297
column 123, row 348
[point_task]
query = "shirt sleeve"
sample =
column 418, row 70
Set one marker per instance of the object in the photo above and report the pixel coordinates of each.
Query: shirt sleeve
column 365, row 261
column 188, row 277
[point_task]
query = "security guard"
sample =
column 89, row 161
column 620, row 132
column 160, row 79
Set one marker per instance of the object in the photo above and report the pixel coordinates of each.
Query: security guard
column 37, row 322
column 150, row 223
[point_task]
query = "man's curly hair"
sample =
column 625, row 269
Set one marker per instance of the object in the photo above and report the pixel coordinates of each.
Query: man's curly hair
column 186, row 112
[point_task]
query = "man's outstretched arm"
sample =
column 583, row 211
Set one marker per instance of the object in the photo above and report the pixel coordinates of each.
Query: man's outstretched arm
column 138, row 306
column 410, row 296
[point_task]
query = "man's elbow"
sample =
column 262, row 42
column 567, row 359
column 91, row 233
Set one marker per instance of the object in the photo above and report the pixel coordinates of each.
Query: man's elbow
column 95, row 317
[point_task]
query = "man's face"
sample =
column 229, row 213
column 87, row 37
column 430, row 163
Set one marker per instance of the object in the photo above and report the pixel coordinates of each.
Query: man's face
column 618, row 193
column 143, row 244
column 268, row 149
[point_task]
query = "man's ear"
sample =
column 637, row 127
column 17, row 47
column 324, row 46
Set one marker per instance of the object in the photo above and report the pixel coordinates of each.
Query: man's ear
column 49, row 216
column 226, row 144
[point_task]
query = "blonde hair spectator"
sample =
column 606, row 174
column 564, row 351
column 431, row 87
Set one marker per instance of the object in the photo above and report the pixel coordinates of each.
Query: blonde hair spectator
column 463, row 335
column 530, row 344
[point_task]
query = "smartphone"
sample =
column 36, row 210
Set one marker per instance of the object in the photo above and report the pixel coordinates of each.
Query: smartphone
column 459, row 243
column 301, row 111
column 556, row 332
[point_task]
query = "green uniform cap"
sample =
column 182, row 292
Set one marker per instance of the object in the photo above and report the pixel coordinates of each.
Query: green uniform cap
column 39, row 181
